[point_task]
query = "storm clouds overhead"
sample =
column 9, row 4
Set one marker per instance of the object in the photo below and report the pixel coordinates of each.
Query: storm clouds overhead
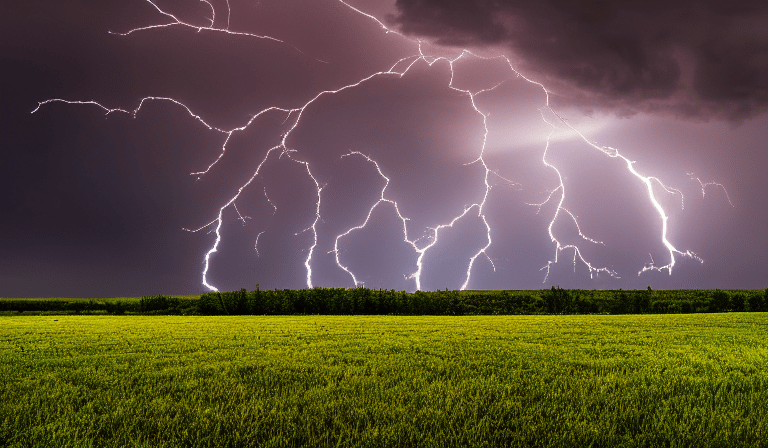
column 179, row 146
column 697, row 59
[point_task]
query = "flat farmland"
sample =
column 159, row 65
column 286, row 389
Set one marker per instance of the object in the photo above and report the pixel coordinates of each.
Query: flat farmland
column 254, row 381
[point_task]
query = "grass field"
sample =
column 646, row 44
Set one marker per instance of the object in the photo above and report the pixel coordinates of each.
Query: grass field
column 652, row 380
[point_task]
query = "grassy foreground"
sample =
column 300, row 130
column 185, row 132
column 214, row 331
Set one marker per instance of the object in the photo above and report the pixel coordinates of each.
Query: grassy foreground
column 242, row 381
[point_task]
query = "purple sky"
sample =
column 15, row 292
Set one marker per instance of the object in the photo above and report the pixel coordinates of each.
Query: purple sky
column 96, row 204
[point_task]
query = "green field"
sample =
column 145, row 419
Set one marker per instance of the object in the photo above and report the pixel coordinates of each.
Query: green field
column 242, row 381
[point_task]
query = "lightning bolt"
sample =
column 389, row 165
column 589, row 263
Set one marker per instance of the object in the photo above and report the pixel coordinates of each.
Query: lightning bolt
column 292, row 118
column 704, row 186
column 648, row 181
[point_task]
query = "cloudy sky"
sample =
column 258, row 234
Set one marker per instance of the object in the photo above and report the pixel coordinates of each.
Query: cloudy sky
column 400, row 145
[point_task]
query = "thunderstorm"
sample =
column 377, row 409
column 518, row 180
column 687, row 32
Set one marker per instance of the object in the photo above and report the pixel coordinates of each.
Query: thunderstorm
column 414, row 169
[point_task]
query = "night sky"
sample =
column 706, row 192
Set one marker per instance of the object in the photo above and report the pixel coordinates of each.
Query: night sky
column 433, row 168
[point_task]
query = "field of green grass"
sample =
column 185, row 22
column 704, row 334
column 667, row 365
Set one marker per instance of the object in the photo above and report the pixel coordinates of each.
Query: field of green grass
column 248, row 381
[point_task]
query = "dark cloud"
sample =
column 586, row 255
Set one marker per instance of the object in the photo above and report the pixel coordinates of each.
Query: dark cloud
column 96, row 205
column 698, row 59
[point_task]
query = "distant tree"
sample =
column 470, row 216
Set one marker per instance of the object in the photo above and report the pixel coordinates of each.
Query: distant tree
column 756, row 301
column 721, row 301
column 686, row 307
column 557, row 300
column 738, row 301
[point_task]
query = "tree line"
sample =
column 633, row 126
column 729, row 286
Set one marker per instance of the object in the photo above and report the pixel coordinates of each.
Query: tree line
column 344, row 301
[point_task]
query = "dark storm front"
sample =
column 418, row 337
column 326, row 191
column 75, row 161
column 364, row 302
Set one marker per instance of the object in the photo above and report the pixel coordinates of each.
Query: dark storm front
column 294, row 141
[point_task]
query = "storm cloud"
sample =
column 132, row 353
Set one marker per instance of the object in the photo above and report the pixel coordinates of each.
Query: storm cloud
column 327, row 152
column 694, row 59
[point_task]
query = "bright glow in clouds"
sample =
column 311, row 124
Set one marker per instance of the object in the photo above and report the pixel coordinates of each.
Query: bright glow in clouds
column 501, row 151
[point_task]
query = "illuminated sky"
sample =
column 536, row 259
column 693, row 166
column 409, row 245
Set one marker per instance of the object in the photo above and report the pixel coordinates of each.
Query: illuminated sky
column 187, row 143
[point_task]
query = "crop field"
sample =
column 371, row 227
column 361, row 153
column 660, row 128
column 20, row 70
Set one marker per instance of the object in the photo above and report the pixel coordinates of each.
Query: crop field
column 264, row 381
